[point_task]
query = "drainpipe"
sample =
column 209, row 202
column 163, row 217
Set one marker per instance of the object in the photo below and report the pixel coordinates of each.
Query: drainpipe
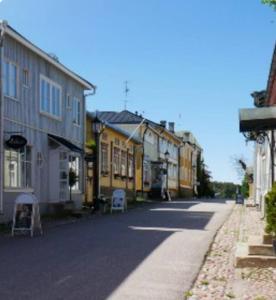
column 3, row 25
column 143, row 157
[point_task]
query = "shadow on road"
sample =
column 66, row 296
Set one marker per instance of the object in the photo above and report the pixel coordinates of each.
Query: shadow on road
column 90, row 259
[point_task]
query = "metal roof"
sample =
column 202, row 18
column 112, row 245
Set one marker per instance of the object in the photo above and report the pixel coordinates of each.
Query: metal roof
column 22, row 40
column 99, row 115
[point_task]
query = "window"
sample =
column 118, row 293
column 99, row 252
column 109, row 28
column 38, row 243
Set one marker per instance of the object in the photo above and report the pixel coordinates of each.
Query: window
column 50, row 97
column 18, row 168
column 116, row 160
column 76, row 111
column 10, row 79
column 68, row 102
column 123, row 163
column 25, row 77
column 74, row 165
column 104, row 158
column 130, row 166
column 147, row 173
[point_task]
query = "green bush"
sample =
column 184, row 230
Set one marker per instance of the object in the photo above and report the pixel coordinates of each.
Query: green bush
column 270, row 201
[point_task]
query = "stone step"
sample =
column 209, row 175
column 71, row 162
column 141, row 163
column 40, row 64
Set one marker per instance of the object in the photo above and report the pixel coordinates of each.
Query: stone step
column 244, row 260
column 267, row 239
column 264, row 250
column 256, row 247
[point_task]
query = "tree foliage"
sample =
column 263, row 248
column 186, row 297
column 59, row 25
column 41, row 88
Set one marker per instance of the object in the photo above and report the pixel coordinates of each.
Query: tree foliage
column 205, row 188
column 270, row 200
column 225, row 190
column 271, row 3
column 245, row 186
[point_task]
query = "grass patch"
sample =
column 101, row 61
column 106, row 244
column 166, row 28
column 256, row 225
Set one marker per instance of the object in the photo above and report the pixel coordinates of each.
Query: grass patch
column 188, row 294
column 230, row 295
column 260, row 298
column 204, row 282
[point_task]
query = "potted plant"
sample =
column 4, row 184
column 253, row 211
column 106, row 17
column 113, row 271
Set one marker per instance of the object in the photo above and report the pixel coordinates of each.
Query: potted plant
column 270, row 209
column 72, row 180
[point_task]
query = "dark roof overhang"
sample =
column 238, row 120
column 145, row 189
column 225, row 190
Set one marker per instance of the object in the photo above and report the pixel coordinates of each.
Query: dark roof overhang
column 65, row 143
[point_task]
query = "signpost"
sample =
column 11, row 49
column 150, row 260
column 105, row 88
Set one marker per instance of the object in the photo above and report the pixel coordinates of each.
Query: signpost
column 26, row 216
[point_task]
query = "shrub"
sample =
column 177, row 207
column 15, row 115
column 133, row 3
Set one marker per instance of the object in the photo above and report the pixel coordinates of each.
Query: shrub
column 270, row 201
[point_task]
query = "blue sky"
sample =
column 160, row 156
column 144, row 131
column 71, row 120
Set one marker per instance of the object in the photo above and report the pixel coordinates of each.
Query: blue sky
column 192, row 62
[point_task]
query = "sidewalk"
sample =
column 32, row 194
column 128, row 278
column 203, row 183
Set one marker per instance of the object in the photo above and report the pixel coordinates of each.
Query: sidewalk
column 218, row 279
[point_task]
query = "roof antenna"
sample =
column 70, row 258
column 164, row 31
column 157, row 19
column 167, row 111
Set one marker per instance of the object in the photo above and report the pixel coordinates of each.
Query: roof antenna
column 126, row 94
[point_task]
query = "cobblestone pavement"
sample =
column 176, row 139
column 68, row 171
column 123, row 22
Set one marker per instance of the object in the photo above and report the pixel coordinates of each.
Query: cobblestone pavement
column 218, row 279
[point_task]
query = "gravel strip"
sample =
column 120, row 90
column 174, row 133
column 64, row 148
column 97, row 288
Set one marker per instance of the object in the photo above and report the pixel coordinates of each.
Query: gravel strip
column 219, row 279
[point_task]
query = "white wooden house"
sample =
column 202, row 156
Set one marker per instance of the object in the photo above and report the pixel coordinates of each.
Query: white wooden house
column 43, row 103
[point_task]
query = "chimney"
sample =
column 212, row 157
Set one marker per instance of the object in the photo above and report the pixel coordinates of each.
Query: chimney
column 171, row 127
column 163, row 123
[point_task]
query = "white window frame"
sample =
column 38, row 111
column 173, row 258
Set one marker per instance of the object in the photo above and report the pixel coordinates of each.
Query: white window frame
column 18, row 170
column 52, row 84
column 9, row 62
column 77, row 189
column 75, row 102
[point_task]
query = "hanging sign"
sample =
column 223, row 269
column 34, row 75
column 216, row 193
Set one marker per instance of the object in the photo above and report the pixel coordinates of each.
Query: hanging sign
column 16, row 142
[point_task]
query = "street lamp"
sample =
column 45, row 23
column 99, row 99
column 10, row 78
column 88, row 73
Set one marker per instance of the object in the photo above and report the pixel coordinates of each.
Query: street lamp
column 98, row 128
column 167, row 156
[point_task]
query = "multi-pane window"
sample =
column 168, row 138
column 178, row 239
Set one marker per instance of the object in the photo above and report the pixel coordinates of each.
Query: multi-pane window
column 75, row 166
column 116, row 160
column 130, row 166
column 104, row 158
column 10, row 79
column 123, row 163
column 25, row 77
column 18, row 168
column 50, row 97
column 76, row 110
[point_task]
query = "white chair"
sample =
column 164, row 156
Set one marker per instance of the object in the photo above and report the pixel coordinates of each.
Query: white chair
column 118, row 201
column 29, row 212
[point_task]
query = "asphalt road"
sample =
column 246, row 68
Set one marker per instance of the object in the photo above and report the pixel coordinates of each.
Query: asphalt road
column 151, row 252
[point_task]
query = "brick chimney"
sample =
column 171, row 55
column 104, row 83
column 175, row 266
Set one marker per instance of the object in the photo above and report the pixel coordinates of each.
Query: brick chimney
column 163, row 123
column 171, row 127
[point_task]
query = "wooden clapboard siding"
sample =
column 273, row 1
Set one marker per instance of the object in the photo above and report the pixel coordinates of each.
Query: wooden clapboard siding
column 26, row 109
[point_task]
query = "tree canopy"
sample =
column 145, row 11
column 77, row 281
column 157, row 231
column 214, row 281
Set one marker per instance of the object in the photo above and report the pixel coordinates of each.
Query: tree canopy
column 272, row 3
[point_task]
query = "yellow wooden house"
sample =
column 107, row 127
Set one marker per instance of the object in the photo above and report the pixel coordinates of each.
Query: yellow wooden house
column 114, row 160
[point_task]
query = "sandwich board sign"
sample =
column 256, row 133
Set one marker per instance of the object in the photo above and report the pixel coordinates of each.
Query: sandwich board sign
column 26, row 216
column 118, row 201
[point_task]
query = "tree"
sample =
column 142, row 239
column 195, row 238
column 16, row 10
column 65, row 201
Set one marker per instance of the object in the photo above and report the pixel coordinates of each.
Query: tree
column 245, row 186
column 225, row 190
column 271, row 3
column 205, row 188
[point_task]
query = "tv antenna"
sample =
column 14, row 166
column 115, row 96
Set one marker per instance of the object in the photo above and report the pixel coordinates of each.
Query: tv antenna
column 126, row 94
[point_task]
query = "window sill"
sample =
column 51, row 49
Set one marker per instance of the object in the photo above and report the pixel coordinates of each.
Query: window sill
column 12, row 98
column 76, row 124
column 18, row 190
column 50, row 116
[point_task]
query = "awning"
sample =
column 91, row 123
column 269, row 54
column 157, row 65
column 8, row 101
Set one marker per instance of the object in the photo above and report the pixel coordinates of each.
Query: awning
column 257, row 119
column 65, row 143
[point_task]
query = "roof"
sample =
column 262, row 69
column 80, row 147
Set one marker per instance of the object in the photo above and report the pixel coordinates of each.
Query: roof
column 123, row 117
column 22, row 40
column 93, row 115
column 188, row 137
column 272, row 75
column 128, row 117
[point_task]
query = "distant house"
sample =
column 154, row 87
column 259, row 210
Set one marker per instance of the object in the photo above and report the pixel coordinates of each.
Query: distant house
column 119, row 160
column 190, row 152
column 161, row 150
column 43, row 104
